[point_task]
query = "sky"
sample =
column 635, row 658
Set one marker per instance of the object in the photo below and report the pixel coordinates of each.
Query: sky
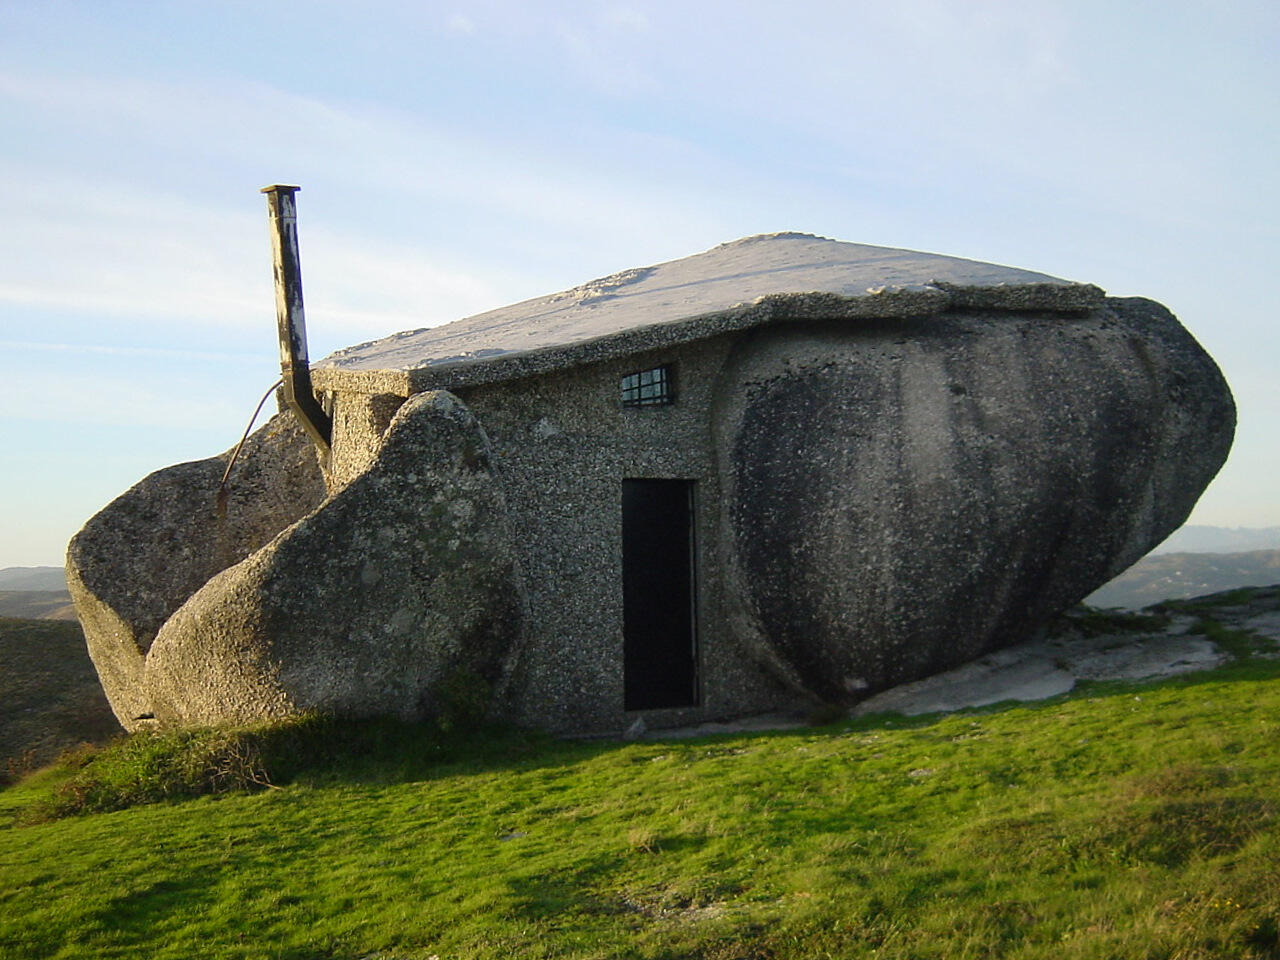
column 456, row 157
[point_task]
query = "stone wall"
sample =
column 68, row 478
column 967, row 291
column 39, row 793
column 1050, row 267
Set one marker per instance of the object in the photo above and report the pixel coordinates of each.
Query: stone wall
column 563, row 445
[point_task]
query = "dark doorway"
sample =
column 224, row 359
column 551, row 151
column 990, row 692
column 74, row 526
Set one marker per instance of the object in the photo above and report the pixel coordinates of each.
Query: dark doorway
column 659, row 649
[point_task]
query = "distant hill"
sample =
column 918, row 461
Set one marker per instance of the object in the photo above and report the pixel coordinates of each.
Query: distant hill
column 33, row 578
column 35, row 593
column 1204, row 539
column 50, row 698
column 1177, row 576
column 37, row 604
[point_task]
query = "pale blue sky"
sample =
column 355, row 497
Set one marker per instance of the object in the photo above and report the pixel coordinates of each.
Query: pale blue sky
column 460, row 156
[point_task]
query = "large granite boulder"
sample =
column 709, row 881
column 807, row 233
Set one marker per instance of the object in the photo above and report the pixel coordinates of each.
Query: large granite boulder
column 376, row 603
column 145, row 553
column 905, row 496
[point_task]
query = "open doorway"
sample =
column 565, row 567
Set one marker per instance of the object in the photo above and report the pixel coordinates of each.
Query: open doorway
column 659, row 640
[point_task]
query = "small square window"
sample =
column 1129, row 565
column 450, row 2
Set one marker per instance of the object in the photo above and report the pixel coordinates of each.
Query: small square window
column 648, row 388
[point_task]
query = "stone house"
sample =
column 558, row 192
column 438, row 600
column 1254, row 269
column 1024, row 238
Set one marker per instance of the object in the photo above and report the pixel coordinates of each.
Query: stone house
column 783, row 472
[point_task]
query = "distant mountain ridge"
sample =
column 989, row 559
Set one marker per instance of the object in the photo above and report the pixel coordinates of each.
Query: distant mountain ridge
column 33, row 578
column 1196, row 538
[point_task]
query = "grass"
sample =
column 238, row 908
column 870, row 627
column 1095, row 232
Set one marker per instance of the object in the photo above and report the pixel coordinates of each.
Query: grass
column 1125, row 821
column 1226, row 598
column 1241, row 644
column 1086, row 621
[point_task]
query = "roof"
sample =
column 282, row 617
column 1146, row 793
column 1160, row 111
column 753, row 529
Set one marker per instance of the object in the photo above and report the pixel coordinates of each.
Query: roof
column 757, row 280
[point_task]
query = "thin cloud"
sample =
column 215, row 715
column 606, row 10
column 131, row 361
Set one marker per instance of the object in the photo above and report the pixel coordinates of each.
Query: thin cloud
column 100, row 349
column 103, row 245
column 459, row 23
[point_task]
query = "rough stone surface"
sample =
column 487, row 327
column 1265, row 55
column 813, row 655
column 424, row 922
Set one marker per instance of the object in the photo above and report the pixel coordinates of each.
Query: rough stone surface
column 359, row 424
column 563, row 444
column 146, row 552
column 401, row 587
column 1046, row 668
column 906, row 498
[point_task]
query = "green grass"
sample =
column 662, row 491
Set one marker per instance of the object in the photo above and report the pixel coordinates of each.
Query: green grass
column 1122, row 822
column 1241, row 644
column 1087, row 621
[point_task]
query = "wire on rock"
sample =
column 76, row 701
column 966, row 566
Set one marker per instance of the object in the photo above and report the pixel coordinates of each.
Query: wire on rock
column 222, row 486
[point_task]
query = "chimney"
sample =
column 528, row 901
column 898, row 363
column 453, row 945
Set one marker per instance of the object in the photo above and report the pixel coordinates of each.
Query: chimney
column 295, row 368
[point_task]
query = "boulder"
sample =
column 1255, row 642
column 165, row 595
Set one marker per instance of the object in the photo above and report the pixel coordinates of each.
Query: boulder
column 150, row 549
column 908, row 495
column 400, row 591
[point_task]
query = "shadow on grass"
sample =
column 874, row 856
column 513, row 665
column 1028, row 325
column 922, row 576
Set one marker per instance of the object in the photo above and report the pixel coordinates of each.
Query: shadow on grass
column 560, row 894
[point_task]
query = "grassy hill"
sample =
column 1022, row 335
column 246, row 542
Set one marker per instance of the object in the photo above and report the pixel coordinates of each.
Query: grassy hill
column 1122, row 821
column 50, row 698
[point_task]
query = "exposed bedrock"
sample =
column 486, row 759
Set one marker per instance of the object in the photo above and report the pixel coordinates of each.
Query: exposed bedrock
column 145, row 553
column 909, row 496
column 373, row 604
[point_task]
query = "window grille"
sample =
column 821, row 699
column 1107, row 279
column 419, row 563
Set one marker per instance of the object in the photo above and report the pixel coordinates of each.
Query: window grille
column 648, row 388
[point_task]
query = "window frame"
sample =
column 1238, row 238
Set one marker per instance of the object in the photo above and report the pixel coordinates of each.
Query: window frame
column 651, row 387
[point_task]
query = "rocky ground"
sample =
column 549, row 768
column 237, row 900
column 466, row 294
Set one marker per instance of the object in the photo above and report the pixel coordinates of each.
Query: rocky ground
column 1164, row 640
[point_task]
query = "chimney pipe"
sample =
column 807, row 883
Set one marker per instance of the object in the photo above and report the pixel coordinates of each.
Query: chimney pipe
column 295, row 368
